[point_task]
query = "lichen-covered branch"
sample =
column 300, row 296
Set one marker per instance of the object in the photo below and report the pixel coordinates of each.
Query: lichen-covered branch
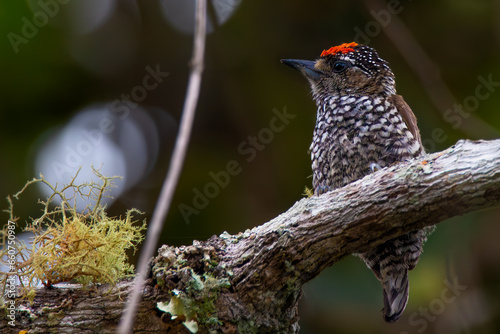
column 251, row 282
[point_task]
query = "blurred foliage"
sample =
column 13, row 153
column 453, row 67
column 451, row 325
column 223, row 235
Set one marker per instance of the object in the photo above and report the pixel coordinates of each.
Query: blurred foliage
column 46, row 82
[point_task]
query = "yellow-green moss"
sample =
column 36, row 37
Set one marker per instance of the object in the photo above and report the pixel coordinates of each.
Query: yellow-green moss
column 88, row 247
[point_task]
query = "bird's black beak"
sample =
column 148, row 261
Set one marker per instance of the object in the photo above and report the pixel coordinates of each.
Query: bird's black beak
column 306, row 67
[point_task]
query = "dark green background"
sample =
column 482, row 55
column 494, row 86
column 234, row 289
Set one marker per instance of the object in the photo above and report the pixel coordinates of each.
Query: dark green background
column 42, row 86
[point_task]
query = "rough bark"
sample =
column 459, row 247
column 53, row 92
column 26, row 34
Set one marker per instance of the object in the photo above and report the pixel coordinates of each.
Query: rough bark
column 251, row 282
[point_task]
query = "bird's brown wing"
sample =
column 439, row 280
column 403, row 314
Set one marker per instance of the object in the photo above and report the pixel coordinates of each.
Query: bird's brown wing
column 408, row 115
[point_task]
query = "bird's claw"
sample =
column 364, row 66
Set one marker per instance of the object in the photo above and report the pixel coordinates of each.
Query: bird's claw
column 375, row 167
column 322, row 189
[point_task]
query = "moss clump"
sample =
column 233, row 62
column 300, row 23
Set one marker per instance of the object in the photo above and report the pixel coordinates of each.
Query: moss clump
column 200, row 282
column 197, row 303
column 88, row 246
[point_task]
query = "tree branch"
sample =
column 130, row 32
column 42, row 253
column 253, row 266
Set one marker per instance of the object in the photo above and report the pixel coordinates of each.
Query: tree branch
column 236, row 284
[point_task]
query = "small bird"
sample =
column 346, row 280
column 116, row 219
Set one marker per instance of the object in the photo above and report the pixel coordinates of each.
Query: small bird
column 362, row 126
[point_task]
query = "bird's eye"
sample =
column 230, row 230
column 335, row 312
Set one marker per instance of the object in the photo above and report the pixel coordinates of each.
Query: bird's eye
column 339, row 66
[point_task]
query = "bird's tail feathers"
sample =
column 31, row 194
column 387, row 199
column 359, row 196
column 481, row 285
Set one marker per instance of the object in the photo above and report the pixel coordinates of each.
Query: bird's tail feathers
column 396, row 291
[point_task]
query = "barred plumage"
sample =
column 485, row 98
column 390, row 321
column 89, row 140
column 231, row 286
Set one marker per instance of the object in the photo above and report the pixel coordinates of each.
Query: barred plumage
column 363, row 125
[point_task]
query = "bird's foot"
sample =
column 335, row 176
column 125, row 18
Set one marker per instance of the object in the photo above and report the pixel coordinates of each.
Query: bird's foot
column 375, row 167
column 322, row 189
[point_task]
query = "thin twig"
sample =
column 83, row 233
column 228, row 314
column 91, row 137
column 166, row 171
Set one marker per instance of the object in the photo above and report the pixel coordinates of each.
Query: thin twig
column 167, row 192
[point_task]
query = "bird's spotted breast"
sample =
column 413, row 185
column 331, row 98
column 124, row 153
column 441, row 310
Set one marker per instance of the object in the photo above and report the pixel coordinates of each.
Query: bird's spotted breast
column 351, row 133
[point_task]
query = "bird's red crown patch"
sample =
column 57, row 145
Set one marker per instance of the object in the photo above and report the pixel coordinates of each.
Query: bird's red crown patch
column 344, row 48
